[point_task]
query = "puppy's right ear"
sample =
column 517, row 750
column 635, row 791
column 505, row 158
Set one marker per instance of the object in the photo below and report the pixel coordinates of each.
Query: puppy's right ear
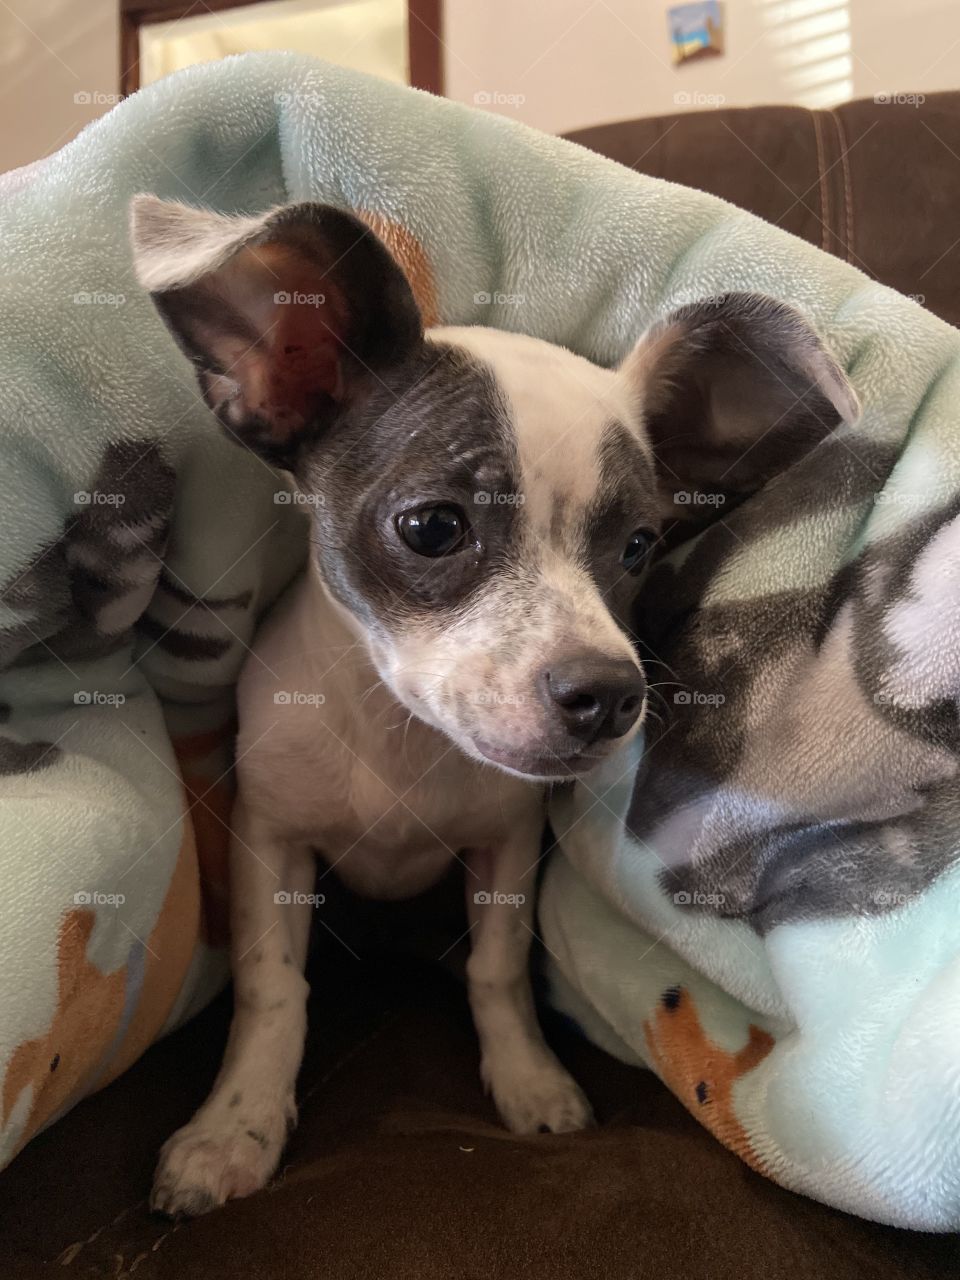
column 287, row 317
column 733, row 390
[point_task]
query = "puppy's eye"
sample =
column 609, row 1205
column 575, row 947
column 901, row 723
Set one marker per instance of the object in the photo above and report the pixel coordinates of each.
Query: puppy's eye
column 433, row 531
column 637, row 549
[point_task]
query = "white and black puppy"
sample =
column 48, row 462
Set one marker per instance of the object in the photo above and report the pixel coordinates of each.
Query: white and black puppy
column 481, row 503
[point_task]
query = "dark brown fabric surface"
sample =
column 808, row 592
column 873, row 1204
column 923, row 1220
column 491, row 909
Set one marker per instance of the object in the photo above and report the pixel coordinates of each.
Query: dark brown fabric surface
column 877, row 184
column 399, row 1169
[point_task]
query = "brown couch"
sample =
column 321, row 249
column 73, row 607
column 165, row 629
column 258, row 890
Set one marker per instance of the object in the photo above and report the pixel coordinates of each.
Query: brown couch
column 399, row 1168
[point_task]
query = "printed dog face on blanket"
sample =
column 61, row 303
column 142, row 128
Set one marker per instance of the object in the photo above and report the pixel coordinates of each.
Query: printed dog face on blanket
column 483, row 501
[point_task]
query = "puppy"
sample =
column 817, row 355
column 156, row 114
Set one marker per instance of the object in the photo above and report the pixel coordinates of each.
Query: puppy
column 481, row 504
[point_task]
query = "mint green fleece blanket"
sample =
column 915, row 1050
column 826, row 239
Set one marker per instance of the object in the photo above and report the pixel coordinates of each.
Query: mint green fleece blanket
column 761, row 905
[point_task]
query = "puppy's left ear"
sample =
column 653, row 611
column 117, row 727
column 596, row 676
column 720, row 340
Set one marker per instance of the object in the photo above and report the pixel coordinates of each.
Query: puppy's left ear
column 288, row 317
column 731, row 391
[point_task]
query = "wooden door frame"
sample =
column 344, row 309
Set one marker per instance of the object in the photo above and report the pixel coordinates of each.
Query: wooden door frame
column 424, row 35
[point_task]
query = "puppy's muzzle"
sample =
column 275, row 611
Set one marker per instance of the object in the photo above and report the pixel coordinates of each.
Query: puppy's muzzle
column 592, row 697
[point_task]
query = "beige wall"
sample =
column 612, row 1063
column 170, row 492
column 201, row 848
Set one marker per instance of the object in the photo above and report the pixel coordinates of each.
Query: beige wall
column 556, row 64
column 559, row 64
column 58, row 70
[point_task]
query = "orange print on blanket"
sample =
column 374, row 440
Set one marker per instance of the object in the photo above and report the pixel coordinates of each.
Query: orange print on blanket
column 86, row 1046
column 701, row 1073
column 89, row 1004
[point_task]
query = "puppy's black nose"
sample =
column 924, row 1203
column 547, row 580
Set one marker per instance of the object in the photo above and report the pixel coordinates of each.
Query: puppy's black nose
column 596, row 697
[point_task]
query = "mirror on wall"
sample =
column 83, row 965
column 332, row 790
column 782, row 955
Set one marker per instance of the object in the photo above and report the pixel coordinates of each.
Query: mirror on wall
column 399, row 40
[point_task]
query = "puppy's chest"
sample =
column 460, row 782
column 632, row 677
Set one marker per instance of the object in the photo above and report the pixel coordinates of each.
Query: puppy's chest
column 403, row 799
column 388, row 806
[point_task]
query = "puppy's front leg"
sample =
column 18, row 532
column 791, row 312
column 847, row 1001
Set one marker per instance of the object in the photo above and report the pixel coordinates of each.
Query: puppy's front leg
column 233, row 1143
column 532, row 1090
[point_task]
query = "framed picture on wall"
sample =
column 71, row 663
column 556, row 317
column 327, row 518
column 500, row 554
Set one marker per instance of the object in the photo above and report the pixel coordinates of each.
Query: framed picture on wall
column 696, row 30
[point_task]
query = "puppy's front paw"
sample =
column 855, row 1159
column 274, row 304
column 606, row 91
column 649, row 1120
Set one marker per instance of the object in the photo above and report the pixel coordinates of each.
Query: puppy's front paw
column 206, row 1163
column 540, row 1100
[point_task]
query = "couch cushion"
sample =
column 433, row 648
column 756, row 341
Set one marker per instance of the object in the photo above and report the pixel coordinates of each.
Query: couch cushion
column 400, row 1169
column 837, row 178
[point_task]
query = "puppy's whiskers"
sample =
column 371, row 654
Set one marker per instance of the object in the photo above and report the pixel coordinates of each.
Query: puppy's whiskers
column 377, row 684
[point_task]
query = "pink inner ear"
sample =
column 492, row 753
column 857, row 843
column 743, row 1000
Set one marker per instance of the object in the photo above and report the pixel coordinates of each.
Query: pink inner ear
column 304, row 328
column 304, row 371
